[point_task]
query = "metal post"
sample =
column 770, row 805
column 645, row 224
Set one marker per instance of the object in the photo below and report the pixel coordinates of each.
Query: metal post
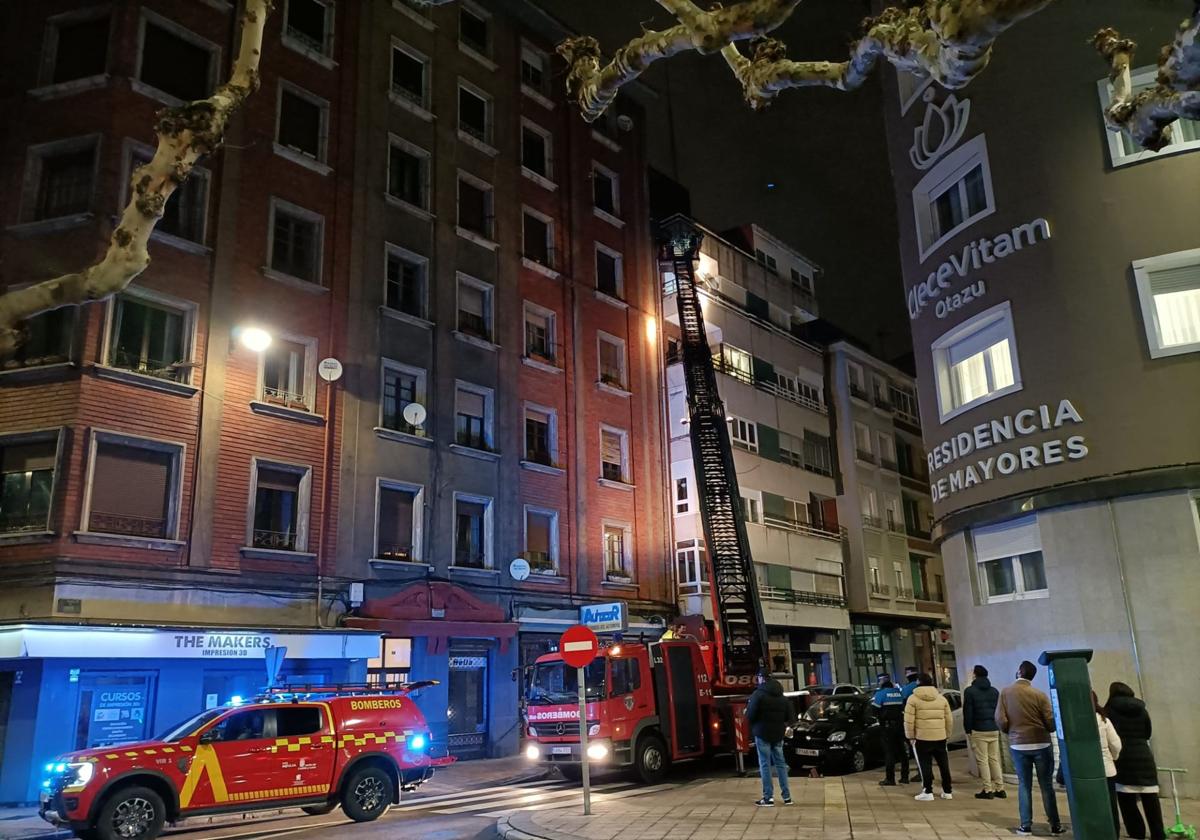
column 583, row 744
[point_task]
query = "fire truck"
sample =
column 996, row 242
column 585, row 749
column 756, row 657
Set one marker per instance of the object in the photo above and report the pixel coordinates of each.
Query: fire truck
column 684, row 696
column 313, row 748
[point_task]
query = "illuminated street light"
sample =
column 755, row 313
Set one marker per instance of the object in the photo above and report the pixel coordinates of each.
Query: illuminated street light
column 255, row 338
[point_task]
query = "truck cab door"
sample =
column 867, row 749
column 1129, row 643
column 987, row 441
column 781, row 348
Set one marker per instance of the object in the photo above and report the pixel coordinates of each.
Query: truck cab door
column 630, row 699
column 304, row 750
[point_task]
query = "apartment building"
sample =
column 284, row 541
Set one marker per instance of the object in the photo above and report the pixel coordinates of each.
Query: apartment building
column 756, row 293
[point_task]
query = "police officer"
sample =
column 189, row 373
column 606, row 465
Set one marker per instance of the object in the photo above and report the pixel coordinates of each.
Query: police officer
column 889, row 701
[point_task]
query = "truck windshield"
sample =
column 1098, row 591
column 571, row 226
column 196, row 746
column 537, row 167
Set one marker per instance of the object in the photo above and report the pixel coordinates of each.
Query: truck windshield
column 555, row 683
column 190, row 725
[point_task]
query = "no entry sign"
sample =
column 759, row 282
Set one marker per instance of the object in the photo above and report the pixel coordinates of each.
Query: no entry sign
column 578, row 646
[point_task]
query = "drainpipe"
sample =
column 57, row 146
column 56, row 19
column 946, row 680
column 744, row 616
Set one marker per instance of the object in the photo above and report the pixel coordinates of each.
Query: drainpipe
column 1133, row 643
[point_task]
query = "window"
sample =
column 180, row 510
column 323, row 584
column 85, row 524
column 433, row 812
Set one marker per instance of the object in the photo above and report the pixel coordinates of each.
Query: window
column 920, row 579
column 618, row 564
column 683, row 502
column 533, row 69
column 474, row 307
column 48, row 339
column 151, row 334
column 691, row 563
column 541, row 540
column 408, row 173
column 134, row 488
column 612, row 360
column 309, row 25
column 473, row 416
column 743, row 433
column 302, row 122
column 535, row 150
column 410, row 75
column 250, row 725
column 614, row 455
column 816, row 453
column 870, row 508
column 174, row 61
column 296, row 241
column 895, row 518
column 766, row 260
column 791, row 449
column 1169, row 290
column 538, row 235
column 474, row 206
column 406, row 274
column 280, row 507
column 1009, row 556
column 626, row 678
column 472, row 531
column 291, row 721
column 903, row 590
column 186, row 212
column 61, row 177
column 398, row 526
column 402, row 386
column 27, row 468
column 1184, row 135
column 802, row 281
column 76, row 46
column 604, row 190
column 953, row 195
column 609, row 279
column 539, row 333
column 857, row 380
column 541, row 446
column 862, row 443
column 887, row 451
column 976, row 361
column 737, row 363
column 393, row 663
column 751, row 510
column 287, row 377
column 474, row 112
column 473, row 30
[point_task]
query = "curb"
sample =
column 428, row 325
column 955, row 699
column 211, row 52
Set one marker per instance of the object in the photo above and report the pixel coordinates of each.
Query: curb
column 507, row 831
column 520, row 826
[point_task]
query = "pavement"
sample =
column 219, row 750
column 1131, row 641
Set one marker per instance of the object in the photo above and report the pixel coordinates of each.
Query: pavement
column 836, row 808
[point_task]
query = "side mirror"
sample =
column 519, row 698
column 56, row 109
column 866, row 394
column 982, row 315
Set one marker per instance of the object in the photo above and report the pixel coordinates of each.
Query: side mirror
column 209, row 736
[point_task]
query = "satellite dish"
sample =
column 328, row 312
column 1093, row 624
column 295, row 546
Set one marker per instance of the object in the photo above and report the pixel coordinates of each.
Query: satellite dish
column 624, row 122
column 329, row 369
column 414, row 414
column 519, row 568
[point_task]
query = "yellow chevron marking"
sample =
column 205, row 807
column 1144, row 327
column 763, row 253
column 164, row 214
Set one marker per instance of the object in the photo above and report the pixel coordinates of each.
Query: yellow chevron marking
column 206, row 759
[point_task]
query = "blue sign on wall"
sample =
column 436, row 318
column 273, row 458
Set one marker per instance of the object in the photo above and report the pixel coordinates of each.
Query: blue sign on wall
column 605, row 618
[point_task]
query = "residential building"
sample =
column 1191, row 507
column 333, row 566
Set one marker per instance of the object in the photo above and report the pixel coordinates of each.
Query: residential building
column 1053, row 282
column 755, row 293
column 161, row 481
column 502, row 293
column 896, row 586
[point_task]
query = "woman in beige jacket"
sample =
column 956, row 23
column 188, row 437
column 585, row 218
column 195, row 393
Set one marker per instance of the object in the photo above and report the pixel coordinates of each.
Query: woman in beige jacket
column 927, row 724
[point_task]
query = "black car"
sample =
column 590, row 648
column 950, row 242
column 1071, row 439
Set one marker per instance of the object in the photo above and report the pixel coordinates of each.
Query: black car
column 837, row 734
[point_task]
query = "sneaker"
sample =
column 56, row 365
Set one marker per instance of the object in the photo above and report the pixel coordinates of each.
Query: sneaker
column 787, row 800
column 1023, row 831
column 984, row 794
column 1000, row 794
column 888, row 783
column 924, row 797
column 765, row 803
column 1056, row 830
column 947, row 795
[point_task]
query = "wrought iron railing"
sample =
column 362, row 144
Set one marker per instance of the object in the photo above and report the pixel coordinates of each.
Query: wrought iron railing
column 282, row 396
column 158, row 368
column 808, row 529
column 395, row 551
column 16, row 523
column 872, row 521
column 800, row 596
column 133, row 526
column 904, row 593
column 881, row 589
column 275, row 540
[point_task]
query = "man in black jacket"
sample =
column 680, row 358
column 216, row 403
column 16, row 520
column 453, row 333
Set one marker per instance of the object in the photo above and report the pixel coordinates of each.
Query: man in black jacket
column 979, row 722
column 769, row 714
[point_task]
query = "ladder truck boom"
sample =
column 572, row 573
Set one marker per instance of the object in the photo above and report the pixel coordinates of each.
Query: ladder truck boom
column 740, row 630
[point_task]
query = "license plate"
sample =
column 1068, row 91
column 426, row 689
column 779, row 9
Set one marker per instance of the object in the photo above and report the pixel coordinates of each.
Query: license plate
column 560, row 750
column 812, row 753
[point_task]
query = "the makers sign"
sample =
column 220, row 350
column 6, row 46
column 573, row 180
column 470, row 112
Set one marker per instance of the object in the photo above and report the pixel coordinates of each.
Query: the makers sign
column 973, row 463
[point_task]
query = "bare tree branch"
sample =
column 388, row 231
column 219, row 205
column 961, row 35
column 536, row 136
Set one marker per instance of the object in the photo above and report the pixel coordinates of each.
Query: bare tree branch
column 1148, row 115
column 184, row 134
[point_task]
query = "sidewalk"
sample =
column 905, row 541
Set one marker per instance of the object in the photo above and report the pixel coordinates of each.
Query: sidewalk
column 836, row 808
column 25, row 824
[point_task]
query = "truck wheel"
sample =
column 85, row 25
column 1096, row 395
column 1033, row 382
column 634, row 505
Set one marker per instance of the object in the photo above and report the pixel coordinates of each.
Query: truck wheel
column 650, row 759
column 367, row 794
column 132, row 813
column 318, row 810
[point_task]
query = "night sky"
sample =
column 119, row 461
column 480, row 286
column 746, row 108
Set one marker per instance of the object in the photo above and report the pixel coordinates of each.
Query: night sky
column 823, row 150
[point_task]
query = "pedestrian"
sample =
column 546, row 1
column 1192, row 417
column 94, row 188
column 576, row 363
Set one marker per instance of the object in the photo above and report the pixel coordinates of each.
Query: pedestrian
column 927, row 723
column 910, row 682
column 1110, row 751
column 1137, row 772
column 979, row 722
column 890, row 702
column 1024, row 714
column 769, row 714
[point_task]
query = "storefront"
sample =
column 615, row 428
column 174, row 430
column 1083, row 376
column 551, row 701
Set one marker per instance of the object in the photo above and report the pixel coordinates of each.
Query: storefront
column 66, row 687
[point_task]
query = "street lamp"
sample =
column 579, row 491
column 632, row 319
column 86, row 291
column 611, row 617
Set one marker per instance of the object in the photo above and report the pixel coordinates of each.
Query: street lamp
column 255, row 339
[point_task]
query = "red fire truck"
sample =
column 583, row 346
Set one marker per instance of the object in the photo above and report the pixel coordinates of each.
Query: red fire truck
column 354, row 746
column 684, row 696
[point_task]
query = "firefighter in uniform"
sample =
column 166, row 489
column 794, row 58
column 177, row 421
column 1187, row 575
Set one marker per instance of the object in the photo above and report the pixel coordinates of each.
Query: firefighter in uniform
column 889, row 701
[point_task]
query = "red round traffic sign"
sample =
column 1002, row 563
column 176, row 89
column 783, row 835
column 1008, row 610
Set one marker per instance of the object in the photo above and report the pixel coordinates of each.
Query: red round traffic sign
column 578, row 646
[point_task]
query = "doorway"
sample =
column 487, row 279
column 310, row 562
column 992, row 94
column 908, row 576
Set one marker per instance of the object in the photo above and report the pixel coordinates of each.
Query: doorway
column 467, row 712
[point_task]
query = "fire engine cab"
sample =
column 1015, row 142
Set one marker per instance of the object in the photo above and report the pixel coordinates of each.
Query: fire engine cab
column 357, row 747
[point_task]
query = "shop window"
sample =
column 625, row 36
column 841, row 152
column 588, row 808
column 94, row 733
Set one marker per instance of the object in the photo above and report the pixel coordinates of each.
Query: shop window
column 75, row 46
column 953, row 195
column 151, row 334
column 28, row 464
column 308, row 26
column 614, row 455
column 609, row 274
column 410, row 75
column 398, row 531
column 287, row 372
column 405, row 282
column 612, row 360
column 618, row 560
column 393, row 663
column 976, row 362
column 1184, row 135
column 1169, row 291
column 134, row 487
column 114, row 708
column 473, row 416
column 175, row 61
column 1010, row 561
column 281, row 495
column 296, row 238
column 61, row 179
column 402, row 386
column 408, row 173
column 302, row 123
column 472, row 531
column 541, row 540
column 185, row 214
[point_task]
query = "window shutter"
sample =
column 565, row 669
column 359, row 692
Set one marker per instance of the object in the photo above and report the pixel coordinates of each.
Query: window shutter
column 775, row 507
column 1008, row 539
column 768, row 442
column 537, row 533
column 610, row 447
column 779, row 577
column 28, row 457
column 470, row 403
column 764, row 371
column 758, row 306
column 131, row 481
column 470, row 300
column 977, row 341
column 395, row 517
column 1168, row 280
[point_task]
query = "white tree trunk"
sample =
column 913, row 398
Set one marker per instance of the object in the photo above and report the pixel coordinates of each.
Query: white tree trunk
column 184, row 135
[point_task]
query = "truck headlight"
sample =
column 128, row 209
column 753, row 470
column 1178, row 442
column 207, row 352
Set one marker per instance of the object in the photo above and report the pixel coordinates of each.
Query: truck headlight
column 532, row 752
column 597, row 752
column 837, row 737
column 593, row 730
column 78, row 775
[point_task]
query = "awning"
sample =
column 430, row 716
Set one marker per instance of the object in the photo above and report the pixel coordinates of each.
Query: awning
column 436, row 611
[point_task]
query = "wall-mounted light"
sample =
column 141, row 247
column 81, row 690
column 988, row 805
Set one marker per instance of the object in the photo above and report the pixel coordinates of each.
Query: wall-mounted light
column 255, row 339
column 651, row 328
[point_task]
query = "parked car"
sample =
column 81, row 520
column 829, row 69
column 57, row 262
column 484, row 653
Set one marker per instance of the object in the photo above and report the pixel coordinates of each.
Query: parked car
column 839, row 733
column 809, row 694
column 957, row 734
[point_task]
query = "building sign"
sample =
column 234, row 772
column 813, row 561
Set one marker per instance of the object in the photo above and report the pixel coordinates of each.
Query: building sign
column 604, row 618
column 974, row 256
column 113, row 707
column 970, row 450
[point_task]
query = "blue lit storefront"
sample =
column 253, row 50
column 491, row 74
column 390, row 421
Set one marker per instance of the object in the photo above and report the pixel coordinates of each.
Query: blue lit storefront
column 68, row 687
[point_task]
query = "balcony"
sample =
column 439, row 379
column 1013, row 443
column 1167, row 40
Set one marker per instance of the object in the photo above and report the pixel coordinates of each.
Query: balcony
column 858, row 391
column 931, row 606
column 865, row 455
column 721, row 365
column 913, row 478
column 808, row 529
column 880, row 590
column 801, row 597
column 888, row 464
column 884, row 404
column 904, row 593
column 872, row 521
column 917, row 533
column 893, row 525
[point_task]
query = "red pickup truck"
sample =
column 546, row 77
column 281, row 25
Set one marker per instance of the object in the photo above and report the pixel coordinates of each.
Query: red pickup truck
column 357, row 750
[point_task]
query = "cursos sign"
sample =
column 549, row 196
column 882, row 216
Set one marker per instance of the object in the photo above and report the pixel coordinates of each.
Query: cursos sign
column 604, row 618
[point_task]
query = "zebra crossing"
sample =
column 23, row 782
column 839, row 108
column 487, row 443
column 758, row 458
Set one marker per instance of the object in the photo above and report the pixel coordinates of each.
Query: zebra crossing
column 501, row 800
